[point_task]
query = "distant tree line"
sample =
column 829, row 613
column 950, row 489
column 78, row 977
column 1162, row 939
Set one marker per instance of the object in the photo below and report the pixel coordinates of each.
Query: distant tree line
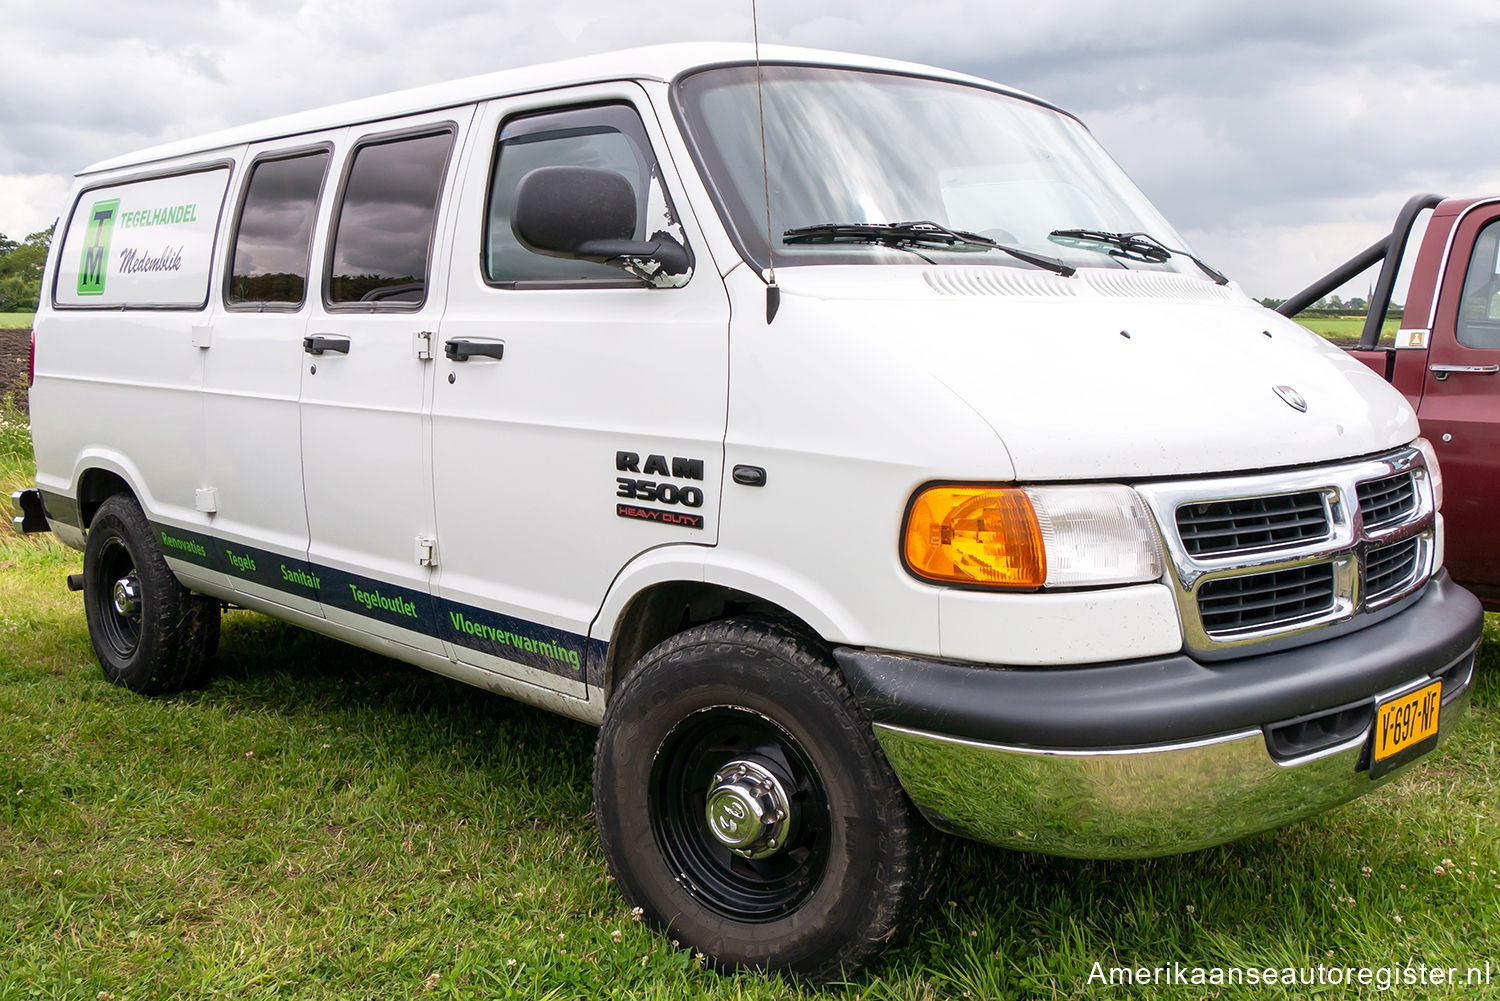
column 21, row 271
column 1332, row 305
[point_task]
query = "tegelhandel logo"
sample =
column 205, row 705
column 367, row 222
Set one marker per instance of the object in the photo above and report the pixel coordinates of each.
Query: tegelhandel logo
column 101, row 226
column 1292, row 398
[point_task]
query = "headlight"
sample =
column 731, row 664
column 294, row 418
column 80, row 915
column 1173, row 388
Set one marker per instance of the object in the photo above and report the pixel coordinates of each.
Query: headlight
column 1433, row 472
column 1029, row 537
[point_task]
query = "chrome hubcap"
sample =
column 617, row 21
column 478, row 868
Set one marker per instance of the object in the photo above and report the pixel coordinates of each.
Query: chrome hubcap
column 127, row 596
column 748, row 810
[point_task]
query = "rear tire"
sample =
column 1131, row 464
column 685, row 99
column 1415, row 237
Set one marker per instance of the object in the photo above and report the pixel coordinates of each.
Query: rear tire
column 151, row 634
column 751, row 719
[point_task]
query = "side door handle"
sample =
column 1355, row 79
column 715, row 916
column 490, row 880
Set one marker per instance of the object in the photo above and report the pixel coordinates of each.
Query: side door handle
column 460, row 349
column 316, row 344
column 1442, row 372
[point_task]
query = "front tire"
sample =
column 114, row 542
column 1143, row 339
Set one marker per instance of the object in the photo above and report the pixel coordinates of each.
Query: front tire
column 151, row 634
column 746, row 807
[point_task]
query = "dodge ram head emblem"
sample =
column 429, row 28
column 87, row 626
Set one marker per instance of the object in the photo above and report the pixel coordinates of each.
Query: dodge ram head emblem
column 1292, row 397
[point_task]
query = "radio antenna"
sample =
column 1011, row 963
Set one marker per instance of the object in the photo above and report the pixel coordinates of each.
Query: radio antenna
column 773, row 291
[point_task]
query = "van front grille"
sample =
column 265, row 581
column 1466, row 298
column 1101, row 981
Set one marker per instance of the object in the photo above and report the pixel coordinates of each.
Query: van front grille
column 1229, row 527
column 1264, row 561
column 1386, row 501
column 1265, row 600
column 1388, row 569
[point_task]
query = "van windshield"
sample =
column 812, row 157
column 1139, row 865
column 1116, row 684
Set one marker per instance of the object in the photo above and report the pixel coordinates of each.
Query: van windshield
column 851, row 148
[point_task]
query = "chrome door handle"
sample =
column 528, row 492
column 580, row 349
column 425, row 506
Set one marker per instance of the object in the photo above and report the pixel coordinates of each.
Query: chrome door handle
column 1443, row 371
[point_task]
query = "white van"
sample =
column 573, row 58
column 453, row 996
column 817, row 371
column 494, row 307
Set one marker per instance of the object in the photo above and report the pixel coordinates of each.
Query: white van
column 929, row 478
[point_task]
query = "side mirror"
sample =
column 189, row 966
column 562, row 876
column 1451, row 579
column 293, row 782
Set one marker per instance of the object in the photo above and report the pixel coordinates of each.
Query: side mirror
column 589, row 214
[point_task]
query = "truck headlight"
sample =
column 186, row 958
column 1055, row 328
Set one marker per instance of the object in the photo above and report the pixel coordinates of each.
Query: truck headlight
column 1434, row 474
column 1030, row 537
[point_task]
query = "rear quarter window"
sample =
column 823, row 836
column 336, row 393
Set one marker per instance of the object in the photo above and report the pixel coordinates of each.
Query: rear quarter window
column 145, row 243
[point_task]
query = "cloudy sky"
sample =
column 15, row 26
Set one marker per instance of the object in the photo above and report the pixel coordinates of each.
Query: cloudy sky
column 1279, row 137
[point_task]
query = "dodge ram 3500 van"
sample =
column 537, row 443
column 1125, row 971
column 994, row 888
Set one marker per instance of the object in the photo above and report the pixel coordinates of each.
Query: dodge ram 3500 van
column 929, row 477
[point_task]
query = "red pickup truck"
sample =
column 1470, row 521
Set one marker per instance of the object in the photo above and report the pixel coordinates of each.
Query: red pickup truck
column 1445, row 359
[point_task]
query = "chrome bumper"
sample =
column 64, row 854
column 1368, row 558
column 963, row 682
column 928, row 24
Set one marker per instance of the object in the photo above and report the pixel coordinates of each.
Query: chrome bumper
column 1136, row 802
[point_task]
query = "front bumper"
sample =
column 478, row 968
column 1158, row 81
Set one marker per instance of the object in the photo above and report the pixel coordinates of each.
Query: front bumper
column 1159, row 756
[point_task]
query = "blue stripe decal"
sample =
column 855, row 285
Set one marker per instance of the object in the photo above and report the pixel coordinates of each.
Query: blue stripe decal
column 392, row 604
column 542, row 648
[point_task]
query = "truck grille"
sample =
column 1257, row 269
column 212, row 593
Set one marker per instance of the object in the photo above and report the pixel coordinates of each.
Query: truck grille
column 1234, row 604
column 1387, row 501
column 1263, row 562
column 1252, row 523
column 1387, row 569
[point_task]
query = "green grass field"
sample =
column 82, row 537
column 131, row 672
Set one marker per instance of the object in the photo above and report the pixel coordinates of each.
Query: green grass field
column 16, row 321
column 1348, row 328
column 318, row 822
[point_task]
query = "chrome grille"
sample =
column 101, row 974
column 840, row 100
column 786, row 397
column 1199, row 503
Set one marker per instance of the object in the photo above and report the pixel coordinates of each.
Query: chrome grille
column 1265, row 561
column 1388, row 568
column 1386, row 501
column 1233, row 604
column 1249, row 524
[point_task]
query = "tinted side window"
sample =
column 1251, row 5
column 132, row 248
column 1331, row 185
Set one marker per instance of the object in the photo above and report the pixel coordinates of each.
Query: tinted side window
column 1479, row 310
column 609, row 137
column 274, row 236
column 384, row 234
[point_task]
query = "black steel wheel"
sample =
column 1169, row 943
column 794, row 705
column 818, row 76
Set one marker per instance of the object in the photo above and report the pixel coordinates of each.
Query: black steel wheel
column 742, row 869
column 746, row 808
column 151, row 634
column 116, row 599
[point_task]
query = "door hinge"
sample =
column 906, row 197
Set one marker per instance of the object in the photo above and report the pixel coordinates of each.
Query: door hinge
column 422, row 341
column 206, row 499
column 426, row 552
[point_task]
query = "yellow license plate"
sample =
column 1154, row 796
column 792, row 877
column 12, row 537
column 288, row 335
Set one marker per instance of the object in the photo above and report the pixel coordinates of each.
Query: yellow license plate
column 1407, row 720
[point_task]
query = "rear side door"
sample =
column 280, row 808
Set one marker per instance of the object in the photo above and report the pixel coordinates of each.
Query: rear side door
column 593, row 429
column 119, row 376
column 366, row 377
column 1460, row 409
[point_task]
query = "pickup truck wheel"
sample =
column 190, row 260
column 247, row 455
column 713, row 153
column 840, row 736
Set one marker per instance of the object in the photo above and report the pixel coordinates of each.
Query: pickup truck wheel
column 151, row 634
column 747, row 809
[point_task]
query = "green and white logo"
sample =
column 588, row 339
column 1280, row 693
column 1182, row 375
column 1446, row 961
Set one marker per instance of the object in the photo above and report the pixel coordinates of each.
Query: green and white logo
column 101, row 227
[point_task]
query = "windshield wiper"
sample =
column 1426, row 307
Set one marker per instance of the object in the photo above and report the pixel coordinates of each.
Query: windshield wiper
column 903, row 234
column 1132, row 247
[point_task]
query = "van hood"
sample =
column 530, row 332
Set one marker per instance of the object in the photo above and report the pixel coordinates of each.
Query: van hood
column 1112, row 374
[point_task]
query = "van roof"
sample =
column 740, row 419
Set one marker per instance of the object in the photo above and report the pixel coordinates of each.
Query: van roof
column 657, row 63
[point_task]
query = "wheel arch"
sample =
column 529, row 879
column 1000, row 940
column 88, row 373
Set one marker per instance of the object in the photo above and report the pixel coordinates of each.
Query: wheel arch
column 96, row 485
column 99, row 474
column 672, row 588
column 663, row 609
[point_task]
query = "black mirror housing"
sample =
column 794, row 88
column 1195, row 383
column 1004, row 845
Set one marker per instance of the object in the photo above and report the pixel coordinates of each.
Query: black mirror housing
column 589, row 214
column 558, row 209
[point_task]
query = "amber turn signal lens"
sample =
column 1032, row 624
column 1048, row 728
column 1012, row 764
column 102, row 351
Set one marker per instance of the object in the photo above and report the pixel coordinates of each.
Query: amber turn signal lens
column 975, row 535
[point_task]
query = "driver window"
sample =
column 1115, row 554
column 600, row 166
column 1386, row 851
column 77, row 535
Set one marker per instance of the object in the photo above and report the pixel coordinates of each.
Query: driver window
column 608, row 137
column 1479, row 309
